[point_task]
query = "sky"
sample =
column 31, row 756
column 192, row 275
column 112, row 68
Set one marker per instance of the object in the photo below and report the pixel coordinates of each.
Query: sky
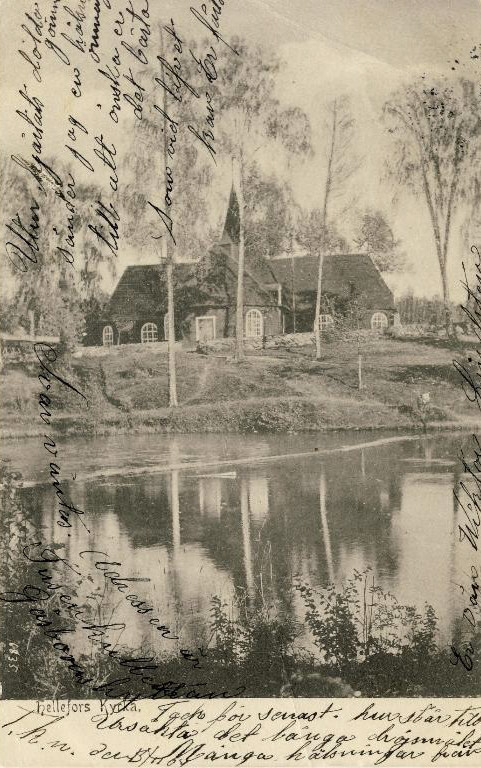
column 362, row 48
column 367, row 48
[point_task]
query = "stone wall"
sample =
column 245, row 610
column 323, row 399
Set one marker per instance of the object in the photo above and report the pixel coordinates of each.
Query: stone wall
column 270, row 342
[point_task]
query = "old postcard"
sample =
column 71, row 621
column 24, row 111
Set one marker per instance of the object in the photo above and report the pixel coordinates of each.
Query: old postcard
column 241, row 383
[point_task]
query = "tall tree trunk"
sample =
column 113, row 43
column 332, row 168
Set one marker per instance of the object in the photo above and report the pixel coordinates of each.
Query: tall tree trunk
column 441, row 246
column 448, row 320
column 237, row 179
column 171, row 323
column 168, row 259
column 317, row 316
column 327, row 193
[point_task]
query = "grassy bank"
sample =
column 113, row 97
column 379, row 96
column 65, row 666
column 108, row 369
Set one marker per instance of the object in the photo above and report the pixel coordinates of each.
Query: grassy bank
column 283, row 390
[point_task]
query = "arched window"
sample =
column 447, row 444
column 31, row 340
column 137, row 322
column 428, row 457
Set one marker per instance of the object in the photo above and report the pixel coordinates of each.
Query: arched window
column 148, row 333
column 326, row 322
column 108, row 336
column 253, row 324
column 379, row 321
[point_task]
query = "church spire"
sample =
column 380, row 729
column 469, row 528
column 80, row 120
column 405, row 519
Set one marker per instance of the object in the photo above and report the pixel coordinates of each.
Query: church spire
column 231, row 226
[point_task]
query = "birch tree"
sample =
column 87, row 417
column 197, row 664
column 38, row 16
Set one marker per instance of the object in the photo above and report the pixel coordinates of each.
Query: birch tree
column 60, row 292
column 436, row 155
column 341, row 164
column 253, row 119
column 174, row 178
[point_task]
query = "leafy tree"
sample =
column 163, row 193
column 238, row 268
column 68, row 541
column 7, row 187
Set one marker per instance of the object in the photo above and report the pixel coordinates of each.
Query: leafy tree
column 313, row 234
column 268, row 206
column 377, row 238
column 59, row 291
column 437, row 152
column 190, row 201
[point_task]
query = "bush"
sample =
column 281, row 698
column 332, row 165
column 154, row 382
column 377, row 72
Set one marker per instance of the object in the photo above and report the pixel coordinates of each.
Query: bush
column 361, row 620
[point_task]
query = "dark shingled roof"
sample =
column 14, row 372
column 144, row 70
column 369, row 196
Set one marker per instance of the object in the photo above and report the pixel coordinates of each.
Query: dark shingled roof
column 339, row 272
column 139, row 289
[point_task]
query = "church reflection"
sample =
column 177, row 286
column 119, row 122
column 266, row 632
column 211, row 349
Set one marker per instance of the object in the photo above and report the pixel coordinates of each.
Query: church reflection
column 252, row 529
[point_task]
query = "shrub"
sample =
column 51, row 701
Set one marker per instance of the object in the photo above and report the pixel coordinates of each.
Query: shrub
column 362, row 620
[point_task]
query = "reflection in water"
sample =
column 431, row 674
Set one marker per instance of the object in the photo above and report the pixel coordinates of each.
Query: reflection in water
column 258, row 497
column 423, row 537
column 325, row 526
column 210, row 496
column 246, row 536
column 251, row 529
column 175, row 507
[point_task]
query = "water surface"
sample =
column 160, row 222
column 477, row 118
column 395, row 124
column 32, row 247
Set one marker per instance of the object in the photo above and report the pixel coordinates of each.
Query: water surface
column 245, row 515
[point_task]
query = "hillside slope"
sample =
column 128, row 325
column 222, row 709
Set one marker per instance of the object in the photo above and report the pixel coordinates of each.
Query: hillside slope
column 276, row 390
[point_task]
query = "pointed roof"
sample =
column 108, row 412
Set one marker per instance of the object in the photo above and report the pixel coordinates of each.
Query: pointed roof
column 231, row 225
column 140, row 290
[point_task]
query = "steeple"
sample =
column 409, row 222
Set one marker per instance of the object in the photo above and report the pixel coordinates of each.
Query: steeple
column 231, row 226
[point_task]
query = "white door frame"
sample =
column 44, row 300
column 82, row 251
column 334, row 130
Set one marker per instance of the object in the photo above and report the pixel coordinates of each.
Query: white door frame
column 204, row 317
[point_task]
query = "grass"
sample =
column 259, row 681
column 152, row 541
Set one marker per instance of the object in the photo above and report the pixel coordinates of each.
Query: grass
column 273, row 390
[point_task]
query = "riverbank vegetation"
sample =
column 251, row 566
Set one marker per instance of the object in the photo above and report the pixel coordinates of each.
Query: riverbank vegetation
column 281, row 389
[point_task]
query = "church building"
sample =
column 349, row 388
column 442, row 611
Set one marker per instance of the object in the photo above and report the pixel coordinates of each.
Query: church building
column 279, row 295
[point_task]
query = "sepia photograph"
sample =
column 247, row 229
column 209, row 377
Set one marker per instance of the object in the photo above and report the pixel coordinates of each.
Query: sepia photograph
column 240, row 370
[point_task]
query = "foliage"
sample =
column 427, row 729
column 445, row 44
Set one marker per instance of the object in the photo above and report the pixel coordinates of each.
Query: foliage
column 244, row 94
column 257, row 640
column 268, row 206
column 361, row 620
column 331, row 622
column 251, row 117
column 341, row 165
column 420, row 311
column 16, row 527
column 190, row 199
column 339, row 157
column 59, row 293
column 314, row 234
column 436, row 129
column 377, row 238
